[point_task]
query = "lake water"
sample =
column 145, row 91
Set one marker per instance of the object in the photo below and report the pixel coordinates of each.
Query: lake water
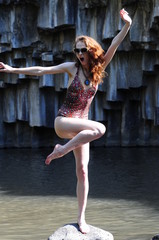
column 35, row 199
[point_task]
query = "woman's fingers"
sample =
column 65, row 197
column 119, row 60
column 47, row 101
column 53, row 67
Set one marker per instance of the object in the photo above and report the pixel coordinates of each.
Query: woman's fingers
column 125, row 16
column 122, row 12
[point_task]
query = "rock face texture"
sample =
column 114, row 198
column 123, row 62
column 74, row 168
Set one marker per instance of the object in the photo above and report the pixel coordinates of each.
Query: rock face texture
column 71, row 232
column 42, row 33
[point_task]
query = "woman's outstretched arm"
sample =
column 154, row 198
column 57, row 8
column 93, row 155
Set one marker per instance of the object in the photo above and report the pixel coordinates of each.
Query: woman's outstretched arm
column 38, row 70
column 119, row 38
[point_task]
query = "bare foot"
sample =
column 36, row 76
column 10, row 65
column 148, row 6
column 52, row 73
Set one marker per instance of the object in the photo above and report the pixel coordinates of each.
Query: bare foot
column 57, row 153
column 83, row 227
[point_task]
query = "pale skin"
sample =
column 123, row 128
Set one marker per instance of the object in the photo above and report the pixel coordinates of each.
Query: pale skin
column 80, row 132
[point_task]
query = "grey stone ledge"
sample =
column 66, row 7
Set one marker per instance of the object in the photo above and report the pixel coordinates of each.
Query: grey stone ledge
column 71, row 232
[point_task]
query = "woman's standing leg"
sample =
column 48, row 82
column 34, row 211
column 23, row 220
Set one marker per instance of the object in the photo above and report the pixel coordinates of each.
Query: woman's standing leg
column 82, row 158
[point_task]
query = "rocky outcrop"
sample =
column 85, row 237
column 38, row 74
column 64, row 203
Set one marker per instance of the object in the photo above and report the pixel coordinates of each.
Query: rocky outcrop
column 42, row 33
column 156, row 237
column 71, row 232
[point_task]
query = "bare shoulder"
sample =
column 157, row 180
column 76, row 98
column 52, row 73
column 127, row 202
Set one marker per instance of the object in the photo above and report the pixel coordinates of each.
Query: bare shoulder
column 67, row 67
column 70, row 68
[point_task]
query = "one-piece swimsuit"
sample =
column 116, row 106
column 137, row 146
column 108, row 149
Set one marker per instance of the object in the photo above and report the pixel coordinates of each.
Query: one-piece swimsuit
column 78, row 99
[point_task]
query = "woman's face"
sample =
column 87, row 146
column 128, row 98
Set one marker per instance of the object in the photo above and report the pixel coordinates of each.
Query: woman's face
column 82, row 53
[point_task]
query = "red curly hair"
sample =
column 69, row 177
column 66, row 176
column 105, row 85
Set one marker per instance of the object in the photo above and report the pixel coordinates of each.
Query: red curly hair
column 96, row 54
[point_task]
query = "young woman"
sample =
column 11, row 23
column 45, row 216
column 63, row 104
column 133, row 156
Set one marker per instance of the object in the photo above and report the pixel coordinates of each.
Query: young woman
column 72, row 120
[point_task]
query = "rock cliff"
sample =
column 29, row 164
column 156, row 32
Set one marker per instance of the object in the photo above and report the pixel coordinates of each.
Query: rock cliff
column 42, row 33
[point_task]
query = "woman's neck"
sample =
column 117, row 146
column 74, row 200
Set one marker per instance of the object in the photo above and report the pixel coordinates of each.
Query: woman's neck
column 86, row 72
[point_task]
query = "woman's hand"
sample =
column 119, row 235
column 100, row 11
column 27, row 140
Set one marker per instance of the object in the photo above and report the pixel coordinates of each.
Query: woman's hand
column 125, row 16
column 5, row 68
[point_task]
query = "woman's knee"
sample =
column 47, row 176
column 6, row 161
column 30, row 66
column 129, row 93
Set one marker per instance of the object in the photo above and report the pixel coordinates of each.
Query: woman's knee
column 82, row 173
column 101, row 129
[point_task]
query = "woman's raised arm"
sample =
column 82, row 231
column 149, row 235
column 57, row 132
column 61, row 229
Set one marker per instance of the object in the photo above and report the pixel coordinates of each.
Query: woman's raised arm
column 119, row 38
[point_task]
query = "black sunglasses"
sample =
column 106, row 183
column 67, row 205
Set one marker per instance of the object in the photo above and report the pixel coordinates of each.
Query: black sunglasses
column 82, row 50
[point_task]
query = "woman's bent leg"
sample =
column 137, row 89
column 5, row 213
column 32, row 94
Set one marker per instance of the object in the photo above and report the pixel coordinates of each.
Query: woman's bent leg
column 80, row 130
column 82, row 158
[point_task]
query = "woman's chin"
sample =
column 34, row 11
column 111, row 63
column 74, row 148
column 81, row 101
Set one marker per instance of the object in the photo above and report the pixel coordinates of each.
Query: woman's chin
column 83, row 63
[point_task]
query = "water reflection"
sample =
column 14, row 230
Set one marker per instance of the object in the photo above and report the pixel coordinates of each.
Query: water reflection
column 36, row 199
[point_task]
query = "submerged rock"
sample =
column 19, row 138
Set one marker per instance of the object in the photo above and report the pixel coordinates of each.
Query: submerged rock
column 71, row 232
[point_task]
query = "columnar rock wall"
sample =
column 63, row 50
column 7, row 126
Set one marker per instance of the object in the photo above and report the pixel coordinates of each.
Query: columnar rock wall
column 42, row 33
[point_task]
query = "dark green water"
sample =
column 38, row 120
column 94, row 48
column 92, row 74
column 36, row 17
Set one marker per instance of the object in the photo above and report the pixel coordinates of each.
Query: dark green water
column 36, row 199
